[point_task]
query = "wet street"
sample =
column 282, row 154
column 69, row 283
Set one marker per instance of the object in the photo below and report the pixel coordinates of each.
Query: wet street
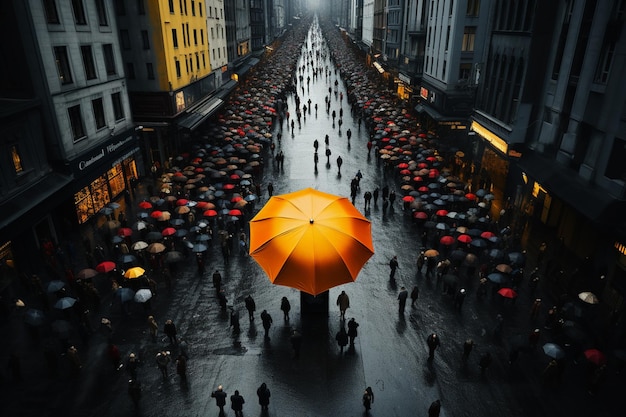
column 390, row 352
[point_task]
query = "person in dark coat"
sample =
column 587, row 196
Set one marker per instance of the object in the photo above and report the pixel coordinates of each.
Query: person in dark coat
column 342, row 339
column 285, row 307
column 267, row 322
column 250, row 306
column 263, row 392
column 134, row 391
column 181, row 367
column 220, row 398
column 217, row 280
column 402, row 296
column 434, row 409
column 170, row 330
column 367, row 401
column 236, row 403
column 352, row 331
column 433, row 343
column 414, row 294
column 393, row 265
column 296, row 343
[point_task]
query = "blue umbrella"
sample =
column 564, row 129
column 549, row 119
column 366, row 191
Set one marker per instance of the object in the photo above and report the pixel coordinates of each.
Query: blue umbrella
column 125, row 294
column 553, row 350
column 64, row 303
column 34, row 317
column 497, row 277
column 54, row 286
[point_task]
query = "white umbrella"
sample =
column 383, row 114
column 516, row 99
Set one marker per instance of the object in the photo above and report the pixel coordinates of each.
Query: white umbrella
column 143, row 295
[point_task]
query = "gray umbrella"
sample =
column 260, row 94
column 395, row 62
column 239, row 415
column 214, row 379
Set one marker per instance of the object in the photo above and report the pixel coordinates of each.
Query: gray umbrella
column 554, row 351
column 497, row 277
column 65, row 303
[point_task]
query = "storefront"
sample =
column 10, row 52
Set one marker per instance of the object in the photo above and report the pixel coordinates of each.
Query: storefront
column 404, row 90
column 103, row 175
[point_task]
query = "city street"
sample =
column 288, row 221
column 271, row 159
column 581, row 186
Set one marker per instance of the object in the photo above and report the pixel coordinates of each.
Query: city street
column 390, row 354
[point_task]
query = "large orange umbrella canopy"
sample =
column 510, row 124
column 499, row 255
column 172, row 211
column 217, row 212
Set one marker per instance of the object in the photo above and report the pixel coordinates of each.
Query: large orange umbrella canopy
column 310, row 240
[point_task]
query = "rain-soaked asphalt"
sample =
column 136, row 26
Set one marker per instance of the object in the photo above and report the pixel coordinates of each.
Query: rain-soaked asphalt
column 390, row 353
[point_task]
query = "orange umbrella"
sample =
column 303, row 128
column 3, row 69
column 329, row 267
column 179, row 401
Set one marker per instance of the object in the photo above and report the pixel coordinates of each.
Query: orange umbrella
column 310, row 240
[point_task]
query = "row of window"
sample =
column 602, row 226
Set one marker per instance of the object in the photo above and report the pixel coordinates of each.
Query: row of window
column 185, row 36
column 189, row 63
column 78, row 10
column 97, row 107
column 64, row 68
column 183, row 7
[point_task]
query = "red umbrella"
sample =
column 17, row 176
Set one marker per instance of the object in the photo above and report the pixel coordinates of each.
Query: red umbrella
column 403, row 165
column 418, row 179
column 420, row 215
column 442, row 213
column 470, row 196
column 234, row 212
column 464, row 238
column 156, row 214
column 182, row 202
column 125, row 232
column 405, row 172
column 210, row 213
column 507, row 292
column 236, row 198
column 106, row 266
column 422, row 135
column 595, row 356
column 168, row 231
column 423, row 189
column 422, row 165
column 487, row 235
column 408, row 198
column 228, row 186
column 145, row 205
column 446, row 240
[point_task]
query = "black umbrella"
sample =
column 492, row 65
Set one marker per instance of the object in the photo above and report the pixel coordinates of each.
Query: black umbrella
column 173, row 256
column 497, row 277
column 34, row 317
column 450, row 279
column 457, row 255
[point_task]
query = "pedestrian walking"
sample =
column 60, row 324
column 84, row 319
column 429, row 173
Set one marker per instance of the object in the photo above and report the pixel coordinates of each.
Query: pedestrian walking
column 535, row 308
column 367, row 196
column 375, row 195
column 263, row 392
column 433, row 343
column 220, row 398
column 393, row 265
column 267, row 323
column 132, row 365
column 221, row 299
column 415, row 292
column 285, row 307
column 183, row 347
column 533, row 338
column 153, row 328
column 342, row 339
column 316, row 145
column 236, row 403
column 162, row 360
column 339, row 163
column 434, row 409
column 217, row 280
column 296, row 343
column 343, row 301
column 402, row 296
column 234, row 320
column 459, row 297
column 270, row 189
column 169, row 328
column 328, row 154
column 352, row 331
column 250, row 306
column 75, row 362
column 467, row 349
column 200, row 263
column 368, row 399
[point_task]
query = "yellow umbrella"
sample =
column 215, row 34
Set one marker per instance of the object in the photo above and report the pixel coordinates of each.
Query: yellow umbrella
column 134, row 272
column 310, row 240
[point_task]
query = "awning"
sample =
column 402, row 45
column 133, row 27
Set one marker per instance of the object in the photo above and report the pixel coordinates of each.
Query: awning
column 595, row 204
column 434, row 114
column 225, row 89
column 194, row 118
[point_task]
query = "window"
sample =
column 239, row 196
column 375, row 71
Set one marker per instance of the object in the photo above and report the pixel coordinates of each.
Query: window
column 52, row 16
column 188, row 42
column 171, row 2
column 98, row 112
column 90, row 68
column 177, row 63
column 473, row 7
column 174, row 38
column 120, row 8
column 465, row 70
column 185, row 4
column 212, row 34
column 604, row 63
column 125, row 39
column 150, row 70
column 202, row 36
column 109, row 59
column 76, row 123
column 130, row 71
column 63, row 65
column 197, row 61
column 193, row 8
column 118, row 109
column 145, row 39
column 180, row 4
column 200, row 9
column 17, row 160
column 469, row 36
column 203, row 61
column 102, row 13
column 79, row 12
column 183, row 35
column 195, row 37
column 187, row 65
column 141, row 8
